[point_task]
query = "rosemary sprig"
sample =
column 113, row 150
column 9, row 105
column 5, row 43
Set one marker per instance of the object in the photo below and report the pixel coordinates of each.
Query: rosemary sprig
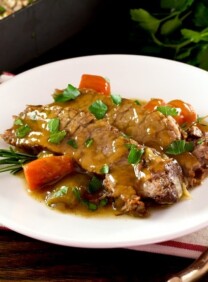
column 12, row 161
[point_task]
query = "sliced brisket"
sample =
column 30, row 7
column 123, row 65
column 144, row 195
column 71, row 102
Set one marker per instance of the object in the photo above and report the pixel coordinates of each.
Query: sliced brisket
column 156, row 176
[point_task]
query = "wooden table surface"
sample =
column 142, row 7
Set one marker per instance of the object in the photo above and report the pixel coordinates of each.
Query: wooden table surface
column 26, row 259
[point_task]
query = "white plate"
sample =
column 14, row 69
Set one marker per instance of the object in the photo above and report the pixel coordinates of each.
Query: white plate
column 131, row 76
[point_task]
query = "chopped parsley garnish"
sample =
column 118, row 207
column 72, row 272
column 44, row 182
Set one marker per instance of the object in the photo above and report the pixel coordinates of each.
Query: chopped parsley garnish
column 18, row 121
column 137, row 102
column 89, row 142
column 22, row 131
column 70, row 93
column 90, row 205
column 135, row 154
column 63, row 190
column 72, row 143
column 116, row 99
column 103, row 202
column 105, row 169
column 200, row 141
column 57, row 137
column 98, row 109
column 180, row 146
column 2, row 10
column 53, row 125
column 76, row 192
column 95, row 184
column 168, row 111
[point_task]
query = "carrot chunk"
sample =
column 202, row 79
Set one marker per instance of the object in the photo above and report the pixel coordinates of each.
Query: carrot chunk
column 95, row 82
column 47, row 170
column 187, row 113
column 153, row 104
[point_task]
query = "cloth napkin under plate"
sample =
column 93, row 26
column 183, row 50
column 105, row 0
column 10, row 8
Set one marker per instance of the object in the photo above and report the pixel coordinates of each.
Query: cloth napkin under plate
column 190, row 246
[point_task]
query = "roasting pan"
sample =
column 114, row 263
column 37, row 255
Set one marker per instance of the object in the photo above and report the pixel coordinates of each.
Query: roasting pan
column 33, row 30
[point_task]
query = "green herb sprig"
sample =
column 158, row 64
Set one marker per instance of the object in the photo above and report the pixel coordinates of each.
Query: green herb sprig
column 90, row 205
column 168, row 111
column 116, row 99
column 135, row 154
column 12, row 161
column 98, row 109
column 70, row 93
column 56, row 136
column 174, row 29
column 2, row 10
column 179, row 146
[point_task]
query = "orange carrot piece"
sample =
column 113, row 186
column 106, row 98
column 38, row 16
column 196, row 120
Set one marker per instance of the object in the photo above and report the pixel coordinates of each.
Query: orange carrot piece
column 153, row 104
column 47, row 170
column 95, row 82
column 187, row 113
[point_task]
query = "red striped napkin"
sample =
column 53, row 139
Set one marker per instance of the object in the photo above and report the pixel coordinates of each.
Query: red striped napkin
column 190, row 246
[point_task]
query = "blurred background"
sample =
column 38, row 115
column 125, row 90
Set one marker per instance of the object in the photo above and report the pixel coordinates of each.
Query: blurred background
column 50, row 30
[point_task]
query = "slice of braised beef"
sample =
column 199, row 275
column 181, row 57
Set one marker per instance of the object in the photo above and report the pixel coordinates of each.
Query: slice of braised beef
column 155, row 176
column 152, row 129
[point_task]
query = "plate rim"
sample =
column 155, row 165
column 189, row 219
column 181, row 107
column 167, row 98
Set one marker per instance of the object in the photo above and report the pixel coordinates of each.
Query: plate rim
column 96, row 245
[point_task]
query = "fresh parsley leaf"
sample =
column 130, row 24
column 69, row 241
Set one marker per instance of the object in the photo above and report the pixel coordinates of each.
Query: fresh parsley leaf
column 95, row 184
column 137, row 102
column 89, row 142
column 57, row 137
column 184, row 54
column 18, row 121
column 200, row 15
column 76, row 192
column 202, row 57
column 73, row 143
column 116, row 99
column 179, row 146
column 179, row 5
column 105, row 169
column 171, row 25
column 145, row 20
column 61, row 192
column 98, row 109
column 2, row 10
column 70, row 93
column 168, row 111
column 22, row 131
column 53, row 125
column 192, row 35
column 135, row 155
column 103, row 202
column 91, row 206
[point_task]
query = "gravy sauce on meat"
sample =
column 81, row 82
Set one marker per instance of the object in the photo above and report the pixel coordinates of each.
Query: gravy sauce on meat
column 156, row 178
